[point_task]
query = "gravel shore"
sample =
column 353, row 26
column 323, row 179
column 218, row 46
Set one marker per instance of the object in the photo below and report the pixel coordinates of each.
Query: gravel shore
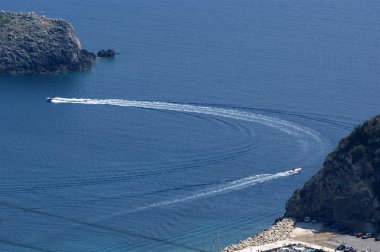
column 277, row 232
column 310, row 234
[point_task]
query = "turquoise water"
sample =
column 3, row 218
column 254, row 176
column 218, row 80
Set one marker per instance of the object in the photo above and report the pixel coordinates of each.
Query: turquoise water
column 186, row 139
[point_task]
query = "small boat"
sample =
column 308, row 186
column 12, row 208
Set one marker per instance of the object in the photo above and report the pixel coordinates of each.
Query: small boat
column 49, row 99
column 296, row 170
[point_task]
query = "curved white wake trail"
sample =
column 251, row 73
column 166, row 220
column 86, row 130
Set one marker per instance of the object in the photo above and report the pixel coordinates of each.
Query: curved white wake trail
column 224, row 188
column 279, row 124
column 282, row 125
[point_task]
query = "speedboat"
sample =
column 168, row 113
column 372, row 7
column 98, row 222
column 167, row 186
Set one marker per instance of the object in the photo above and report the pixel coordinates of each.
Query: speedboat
column 49, row 99
column 296, row 170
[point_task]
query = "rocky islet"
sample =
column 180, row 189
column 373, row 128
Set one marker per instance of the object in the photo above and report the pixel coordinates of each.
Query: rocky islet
column 32, row 44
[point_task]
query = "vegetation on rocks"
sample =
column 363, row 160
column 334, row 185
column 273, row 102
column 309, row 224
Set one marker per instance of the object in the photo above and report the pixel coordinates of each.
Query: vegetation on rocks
column 37, row 44
column 4, row 20
column 347, row 189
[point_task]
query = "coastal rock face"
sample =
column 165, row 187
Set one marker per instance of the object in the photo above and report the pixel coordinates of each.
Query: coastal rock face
column 37, row 44
column 347, row 189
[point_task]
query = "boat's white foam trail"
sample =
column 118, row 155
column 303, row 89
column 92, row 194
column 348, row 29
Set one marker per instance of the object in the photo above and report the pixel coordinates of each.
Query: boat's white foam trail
column 283, row 125
column 220, row 189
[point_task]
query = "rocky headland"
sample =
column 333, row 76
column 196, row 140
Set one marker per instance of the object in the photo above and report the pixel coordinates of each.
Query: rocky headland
column 347, row 188
column 346, row 191
column 37, row 44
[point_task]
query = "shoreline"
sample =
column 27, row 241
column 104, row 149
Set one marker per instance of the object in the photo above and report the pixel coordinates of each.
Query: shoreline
column 313, row 235
column 278, row 232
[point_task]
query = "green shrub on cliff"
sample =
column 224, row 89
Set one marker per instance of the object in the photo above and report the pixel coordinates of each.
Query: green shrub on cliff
column 4, row 20
column 363, row 142
column 347, row 189
column 357, row 152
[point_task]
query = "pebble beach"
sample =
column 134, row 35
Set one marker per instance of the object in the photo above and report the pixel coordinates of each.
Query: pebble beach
column 312, row 235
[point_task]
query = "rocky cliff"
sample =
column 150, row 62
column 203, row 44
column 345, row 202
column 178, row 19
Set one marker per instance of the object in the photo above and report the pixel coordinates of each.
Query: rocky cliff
column 37, row 44
column 347, row 188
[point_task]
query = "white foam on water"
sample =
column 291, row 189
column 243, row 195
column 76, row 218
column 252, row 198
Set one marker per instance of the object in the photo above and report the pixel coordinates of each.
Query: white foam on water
column 220, row 189
column 273, row 122
column 297, row 131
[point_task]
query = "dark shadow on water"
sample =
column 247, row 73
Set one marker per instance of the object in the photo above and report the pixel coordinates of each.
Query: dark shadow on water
column 114, row 230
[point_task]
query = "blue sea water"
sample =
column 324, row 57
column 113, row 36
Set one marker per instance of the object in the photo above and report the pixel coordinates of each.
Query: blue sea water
column 185, row 141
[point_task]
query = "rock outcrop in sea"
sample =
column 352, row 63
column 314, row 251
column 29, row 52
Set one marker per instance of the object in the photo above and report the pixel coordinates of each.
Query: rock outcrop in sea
column 109, row 53
column 37, row 44
column 347, row 188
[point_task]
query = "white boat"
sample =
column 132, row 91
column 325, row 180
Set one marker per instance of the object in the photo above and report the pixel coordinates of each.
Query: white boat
column 296, row 170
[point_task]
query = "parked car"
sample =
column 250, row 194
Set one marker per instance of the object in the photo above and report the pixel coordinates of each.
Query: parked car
column 349, row 249
column 367, row 235
column 377, row 238
column 309, row 250
column 340, row 248
column 359, row 234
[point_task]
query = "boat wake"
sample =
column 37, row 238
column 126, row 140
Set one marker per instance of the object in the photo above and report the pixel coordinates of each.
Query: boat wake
column 303, row 134
column 220, row 189
column 279, row 124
